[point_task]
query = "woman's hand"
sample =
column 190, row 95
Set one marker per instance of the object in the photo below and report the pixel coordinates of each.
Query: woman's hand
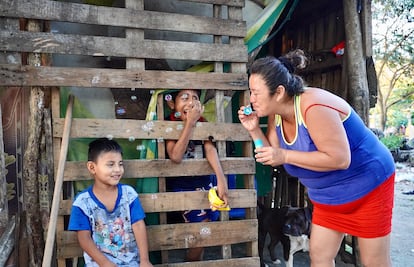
column 271, row 156
column 250, row 122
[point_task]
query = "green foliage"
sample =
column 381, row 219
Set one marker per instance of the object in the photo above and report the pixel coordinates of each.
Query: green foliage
column 393, row 47
column 393, row 142
column 396, row 117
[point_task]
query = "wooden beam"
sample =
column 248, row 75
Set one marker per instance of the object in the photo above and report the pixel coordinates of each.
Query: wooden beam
column 12, row 75
column 141, row 168
column 177, row 236
column 178, row 201
column 121, row 17
column 42, row 42
column 142, row 129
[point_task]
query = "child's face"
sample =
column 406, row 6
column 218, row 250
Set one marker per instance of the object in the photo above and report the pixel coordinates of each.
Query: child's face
column 108, row 168
column 184, row 101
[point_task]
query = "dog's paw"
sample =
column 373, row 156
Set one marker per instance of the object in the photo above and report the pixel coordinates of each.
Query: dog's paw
column 277, row 262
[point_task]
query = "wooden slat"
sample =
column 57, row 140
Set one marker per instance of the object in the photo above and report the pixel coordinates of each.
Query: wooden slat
column 122, row 17
column 176, row 201
column 237, row 262
column 177, row 236
column 11, row 25
column 190, row 200
column 141, row 129
column 76, row 170
column 41, row 42
column 11, row 75
column 235, row 3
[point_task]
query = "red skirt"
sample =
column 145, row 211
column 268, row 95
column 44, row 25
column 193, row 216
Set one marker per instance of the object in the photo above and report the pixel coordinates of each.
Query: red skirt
column 367, row 217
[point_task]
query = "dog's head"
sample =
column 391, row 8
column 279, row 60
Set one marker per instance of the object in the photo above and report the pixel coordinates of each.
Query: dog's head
column 298, row 221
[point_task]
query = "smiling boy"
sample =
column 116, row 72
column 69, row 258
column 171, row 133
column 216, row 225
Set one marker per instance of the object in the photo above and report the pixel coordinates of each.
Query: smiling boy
column 108, row 216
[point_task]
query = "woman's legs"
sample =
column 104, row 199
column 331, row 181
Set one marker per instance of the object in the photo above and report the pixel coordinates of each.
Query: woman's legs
column 324, row 246
column 375, row 251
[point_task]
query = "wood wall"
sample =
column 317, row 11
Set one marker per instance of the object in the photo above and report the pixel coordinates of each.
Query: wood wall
column 226, row 28
column 316, row 27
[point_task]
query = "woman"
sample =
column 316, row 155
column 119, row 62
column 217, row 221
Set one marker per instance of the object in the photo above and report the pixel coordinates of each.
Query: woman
column 319, row 138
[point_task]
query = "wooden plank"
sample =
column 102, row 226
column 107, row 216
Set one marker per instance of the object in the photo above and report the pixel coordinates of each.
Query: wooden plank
column 4, row 209
column 235, row 3
column 327, row 64
column 177, row 236
column 11, row 25
column 11, row 75
column 142, row 129
column 42, row 42
column 141, row 168
column 236, row 262
column 52, row 226
column 189, row 235
column 176, row 201
column 121, row 17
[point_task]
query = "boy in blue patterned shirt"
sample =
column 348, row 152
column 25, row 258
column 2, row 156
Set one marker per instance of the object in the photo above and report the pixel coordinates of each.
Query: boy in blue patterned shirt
column 108, row 216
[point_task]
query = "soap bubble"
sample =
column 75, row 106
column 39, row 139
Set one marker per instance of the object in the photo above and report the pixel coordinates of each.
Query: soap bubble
column 140, row 147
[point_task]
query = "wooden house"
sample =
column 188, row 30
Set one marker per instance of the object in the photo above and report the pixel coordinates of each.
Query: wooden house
column 72, row 71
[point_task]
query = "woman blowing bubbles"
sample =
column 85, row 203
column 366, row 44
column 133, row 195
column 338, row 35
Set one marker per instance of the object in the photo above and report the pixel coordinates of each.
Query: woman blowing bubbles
column 319, row 138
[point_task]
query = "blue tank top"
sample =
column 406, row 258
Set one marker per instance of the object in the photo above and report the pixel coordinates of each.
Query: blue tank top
column 371, row 162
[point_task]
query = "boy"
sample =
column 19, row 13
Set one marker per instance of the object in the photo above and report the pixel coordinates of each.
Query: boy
column 186, row 107
column 108, row 216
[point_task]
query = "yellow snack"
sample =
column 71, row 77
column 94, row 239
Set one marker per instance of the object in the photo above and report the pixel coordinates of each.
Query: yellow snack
column 215, row 202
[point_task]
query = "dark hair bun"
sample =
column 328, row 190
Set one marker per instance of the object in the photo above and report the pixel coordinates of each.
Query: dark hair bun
column 294, row 60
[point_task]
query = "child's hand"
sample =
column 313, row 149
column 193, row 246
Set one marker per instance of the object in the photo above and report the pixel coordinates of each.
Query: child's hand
column 194, row 111
column 145, row 263
column 222, row 192
column 108, row 264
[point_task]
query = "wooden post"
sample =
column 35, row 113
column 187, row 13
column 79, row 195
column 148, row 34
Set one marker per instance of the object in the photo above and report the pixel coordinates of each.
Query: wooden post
column 7, row 241
column 30, row 185
column 3, row 183
column 58, row 186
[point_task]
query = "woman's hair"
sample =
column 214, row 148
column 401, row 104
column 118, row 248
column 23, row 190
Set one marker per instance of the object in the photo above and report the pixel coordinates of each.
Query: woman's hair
column 102, row 145
column 282, row 71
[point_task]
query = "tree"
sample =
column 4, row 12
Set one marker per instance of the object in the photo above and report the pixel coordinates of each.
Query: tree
column 393, row 35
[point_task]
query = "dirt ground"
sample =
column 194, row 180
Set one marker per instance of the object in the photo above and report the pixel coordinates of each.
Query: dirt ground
column 402, row 235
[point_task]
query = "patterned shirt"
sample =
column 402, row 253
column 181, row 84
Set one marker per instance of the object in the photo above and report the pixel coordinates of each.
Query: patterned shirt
column 111, row 231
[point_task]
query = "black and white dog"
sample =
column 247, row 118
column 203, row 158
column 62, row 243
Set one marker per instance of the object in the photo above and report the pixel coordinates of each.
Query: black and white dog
column 288, row 225
column 297, row 228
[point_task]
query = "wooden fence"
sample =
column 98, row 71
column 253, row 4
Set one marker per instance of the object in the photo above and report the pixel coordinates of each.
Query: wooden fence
column 225, row 27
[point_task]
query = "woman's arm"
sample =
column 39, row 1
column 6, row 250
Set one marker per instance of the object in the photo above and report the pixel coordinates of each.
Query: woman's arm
column 328, row 134
column 326, row 129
